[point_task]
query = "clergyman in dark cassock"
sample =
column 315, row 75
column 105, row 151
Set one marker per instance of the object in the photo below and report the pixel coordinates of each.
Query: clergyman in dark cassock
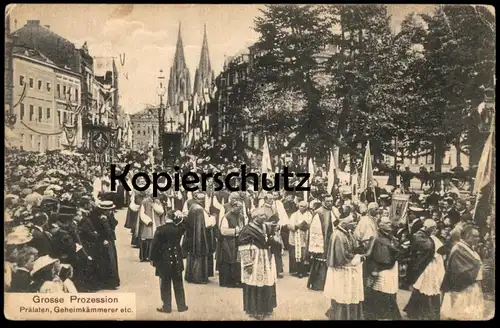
column 299, row 229
column 344, row 280
column 258, row 269
column 425, row 273
column 322, row 225
column 105, row 223
column 273, row 221
column 151, row 217
column 227, row 255
column 380, row 299
column 131, row 223
column 89, row 238
column 463, row 296
column 197, row 241
column 166, row 257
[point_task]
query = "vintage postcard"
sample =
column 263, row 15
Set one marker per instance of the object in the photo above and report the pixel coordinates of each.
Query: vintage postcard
column 249, row 162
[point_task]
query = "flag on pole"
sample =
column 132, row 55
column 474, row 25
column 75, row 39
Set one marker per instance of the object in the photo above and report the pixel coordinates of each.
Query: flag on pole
column 482, row 184
column 331, row 174
column 367, row 172
column 484, row 169
column 266, row 166
column 310, row 170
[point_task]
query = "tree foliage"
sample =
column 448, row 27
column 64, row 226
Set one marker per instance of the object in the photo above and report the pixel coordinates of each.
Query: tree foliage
column 420, row 84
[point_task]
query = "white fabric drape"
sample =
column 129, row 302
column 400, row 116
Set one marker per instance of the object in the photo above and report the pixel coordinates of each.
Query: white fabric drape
column 429, row 282
column 258, row 267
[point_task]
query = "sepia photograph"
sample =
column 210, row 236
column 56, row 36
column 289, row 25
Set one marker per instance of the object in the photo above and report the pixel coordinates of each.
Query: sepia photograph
column 230, row 162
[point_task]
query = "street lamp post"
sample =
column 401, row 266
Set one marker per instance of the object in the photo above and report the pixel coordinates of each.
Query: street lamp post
column 161, row 111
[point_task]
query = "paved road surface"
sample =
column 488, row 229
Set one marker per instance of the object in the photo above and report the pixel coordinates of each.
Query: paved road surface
column 211, row 302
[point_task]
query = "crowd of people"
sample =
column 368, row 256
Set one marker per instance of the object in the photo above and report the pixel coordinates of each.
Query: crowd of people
column 348, row 246
column 57, row 239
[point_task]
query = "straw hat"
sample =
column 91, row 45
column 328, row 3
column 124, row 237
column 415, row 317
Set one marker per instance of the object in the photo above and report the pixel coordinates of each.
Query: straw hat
column 11, row 196
column 106, row 205
column 42, row 262
column 20, row 235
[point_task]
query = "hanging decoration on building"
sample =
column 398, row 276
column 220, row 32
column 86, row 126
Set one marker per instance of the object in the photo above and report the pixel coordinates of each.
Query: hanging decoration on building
column 70, row 132
column 23, row 95
column 100, row 140
column 114, row 137
column 40, row 133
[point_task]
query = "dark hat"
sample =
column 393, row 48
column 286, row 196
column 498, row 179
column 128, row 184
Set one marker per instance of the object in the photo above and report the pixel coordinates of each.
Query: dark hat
column 67, row 210
column 49, row 202
column 40, row 217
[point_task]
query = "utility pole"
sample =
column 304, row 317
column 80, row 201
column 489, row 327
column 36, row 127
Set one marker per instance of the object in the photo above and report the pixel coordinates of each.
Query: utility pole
column 161, row 111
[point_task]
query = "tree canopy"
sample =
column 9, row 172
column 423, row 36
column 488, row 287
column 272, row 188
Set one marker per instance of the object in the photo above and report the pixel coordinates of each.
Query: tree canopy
column 338, row 75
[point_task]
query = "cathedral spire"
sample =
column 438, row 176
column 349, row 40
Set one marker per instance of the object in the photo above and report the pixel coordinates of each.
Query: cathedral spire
column 179, row 85
column 204, row 74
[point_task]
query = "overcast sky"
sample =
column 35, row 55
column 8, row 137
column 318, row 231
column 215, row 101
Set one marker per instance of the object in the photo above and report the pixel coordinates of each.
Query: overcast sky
column 147, row 35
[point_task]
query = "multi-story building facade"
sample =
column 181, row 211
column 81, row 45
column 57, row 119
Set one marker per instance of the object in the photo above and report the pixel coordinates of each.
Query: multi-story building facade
column 144, row 128
column 8, row 72
column 69, row 74
column 236, row 69
column 43, row 109
column 47, row 85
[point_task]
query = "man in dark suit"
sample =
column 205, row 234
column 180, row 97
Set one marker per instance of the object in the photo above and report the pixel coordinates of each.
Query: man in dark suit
column 166, row 257
column 41, row 238
column 21, row 279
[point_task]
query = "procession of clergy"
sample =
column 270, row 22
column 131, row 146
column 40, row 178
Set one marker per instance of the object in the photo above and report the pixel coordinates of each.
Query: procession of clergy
column 61, row 239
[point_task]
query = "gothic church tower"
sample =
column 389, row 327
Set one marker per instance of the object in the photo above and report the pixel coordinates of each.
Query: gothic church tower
column 204, row 77
column 179, row 85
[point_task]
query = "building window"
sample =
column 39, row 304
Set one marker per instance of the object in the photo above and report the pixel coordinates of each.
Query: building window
column 64, row 91
column 430, row 159
column 40, row 114
column 58, row 91
column 21, row 80
column 40, row 84
column 59, row 116
column 76, row 95
column 48, row 113
column 32, row 112
column 32, row 141
column 32, row 83
column 64, row 117
column 49, row 87
column 21, row 112
column 414, row 158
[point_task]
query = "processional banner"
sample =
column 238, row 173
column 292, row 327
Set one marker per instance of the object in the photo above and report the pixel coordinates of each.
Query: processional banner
column 399, row 208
